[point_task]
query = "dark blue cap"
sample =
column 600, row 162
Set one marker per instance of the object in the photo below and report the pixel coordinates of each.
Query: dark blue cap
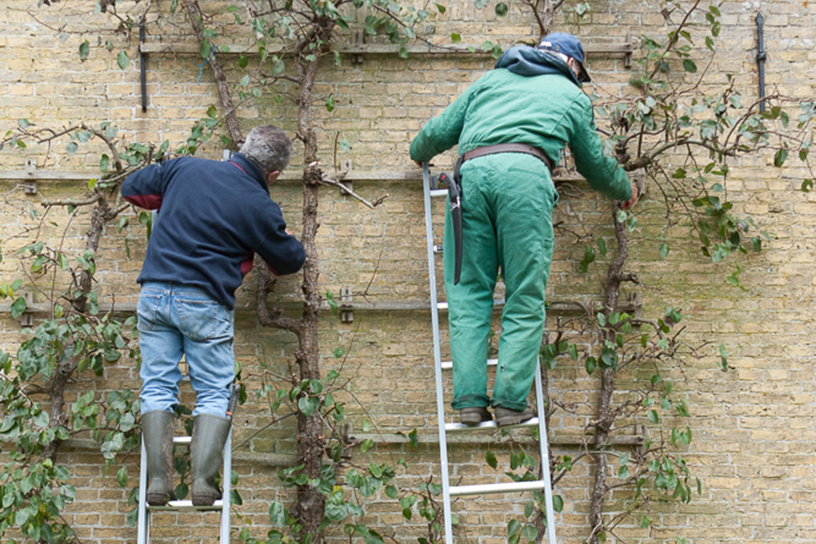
column 567, row 44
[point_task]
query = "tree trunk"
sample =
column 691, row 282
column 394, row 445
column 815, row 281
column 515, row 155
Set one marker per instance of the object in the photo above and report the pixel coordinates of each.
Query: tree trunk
column 604, row 416
column 194, row 14
column 311, row 505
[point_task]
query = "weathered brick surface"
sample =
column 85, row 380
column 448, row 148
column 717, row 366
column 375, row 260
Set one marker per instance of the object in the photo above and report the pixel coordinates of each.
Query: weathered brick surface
column 753, row 426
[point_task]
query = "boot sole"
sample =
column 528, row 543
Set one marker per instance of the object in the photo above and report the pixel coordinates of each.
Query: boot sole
column 512, row 420
column 208, row 501
column 159, row 500
column 472, row 421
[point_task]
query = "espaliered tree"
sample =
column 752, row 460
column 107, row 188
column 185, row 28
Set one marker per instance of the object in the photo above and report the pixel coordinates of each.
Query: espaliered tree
column 73, row 338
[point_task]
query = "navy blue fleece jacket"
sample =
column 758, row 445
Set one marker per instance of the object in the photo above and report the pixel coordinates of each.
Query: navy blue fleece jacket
column 214, row 216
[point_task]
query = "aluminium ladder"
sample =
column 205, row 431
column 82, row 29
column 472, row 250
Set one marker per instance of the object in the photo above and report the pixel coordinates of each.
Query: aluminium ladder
column 468, row 490
column 145, row 510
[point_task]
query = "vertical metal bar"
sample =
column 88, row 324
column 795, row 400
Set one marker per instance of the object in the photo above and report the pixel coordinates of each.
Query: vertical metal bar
column 143, row 516
column 226, row 480
column 543, row 443
column 761, row 56
column 440, row 398
column 143, row 64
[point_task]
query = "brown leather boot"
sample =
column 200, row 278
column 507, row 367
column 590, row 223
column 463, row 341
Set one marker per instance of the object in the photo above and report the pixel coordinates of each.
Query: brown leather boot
column 506, row 416
column 474, row 415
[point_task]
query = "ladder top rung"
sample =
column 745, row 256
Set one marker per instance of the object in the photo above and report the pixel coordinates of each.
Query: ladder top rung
column 448, row 365
column 488, row 426
column 510, row 487
column 439, row 192
column 184, row 505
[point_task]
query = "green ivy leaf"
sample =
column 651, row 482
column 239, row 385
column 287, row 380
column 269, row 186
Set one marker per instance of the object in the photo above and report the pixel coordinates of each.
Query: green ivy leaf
column 84, row 48
column 456, row 38
column 277, row 514
column 689, row 66
column 501, row 11
column 18, row 307
column 590, row 364
column 723, row 358
column 780, row 157
column 308, row 405
column 653, row 417
column 664, row 250
column 330, row 104
column 123, row 60
column 513, row 528
column 490, row 458
column 589, row 257
column 412, row 438
column 602, row 247
column 530, row 532
column 122, row 477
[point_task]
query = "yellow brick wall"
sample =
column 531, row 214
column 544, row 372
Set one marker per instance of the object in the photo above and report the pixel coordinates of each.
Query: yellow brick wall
column 753, row 427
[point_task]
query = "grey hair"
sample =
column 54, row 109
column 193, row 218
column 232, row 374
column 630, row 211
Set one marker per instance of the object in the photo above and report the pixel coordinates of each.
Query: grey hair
column 268, row 147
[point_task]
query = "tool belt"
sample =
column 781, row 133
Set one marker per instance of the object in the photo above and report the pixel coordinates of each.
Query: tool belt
column 455, row 190
column 507, row 148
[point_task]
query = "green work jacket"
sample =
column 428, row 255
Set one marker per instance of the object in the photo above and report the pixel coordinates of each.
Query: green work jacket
column 546, row 111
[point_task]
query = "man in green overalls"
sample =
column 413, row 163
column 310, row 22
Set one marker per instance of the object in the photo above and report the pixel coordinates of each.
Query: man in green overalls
column 533, row 101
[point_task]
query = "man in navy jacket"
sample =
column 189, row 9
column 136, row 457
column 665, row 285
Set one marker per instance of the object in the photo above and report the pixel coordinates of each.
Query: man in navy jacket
column 214, row 216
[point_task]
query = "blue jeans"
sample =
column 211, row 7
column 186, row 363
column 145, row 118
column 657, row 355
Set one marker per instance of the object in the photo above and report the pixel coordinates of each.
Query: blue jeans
column 176, row 320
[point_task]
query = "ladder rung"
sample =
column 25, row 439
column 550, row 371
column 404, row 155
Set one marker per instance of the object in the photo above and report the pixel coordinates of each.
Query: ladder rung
column 444, row 305
column 447, row 365
column 185, row 505
column 488, row 426
column 439, row 192
column 183, row 440
column 510, row 487
column 437, row 249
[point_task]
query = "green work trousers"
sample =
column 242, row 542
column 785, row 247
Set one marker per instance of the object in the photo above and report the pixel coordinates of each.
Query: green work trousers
column 507, row 202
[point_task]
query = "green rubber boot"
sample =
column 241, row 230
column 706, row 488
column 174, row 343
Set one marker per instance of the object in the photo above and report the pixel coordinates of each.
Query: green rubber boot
column 206, row 457
column 157, row 432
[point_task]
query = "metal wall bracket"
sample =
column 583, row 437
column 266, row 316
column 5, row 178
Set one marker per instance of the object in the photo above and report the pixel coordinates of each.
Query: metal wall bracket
column 27, row 318
column 29, row 185
column 345, row 166
column 346, row 315
column 358, row 39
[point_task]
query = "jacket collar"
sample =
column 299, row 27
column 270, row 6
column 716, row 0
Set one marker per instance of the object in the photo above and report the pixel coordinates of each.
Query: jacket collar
column 250, row 168
column 528, row 62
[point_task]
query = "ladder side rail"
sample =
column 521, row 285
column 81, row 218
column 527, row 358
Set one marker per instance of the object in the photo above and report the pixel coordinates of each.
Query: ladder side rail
column 543, row 443
column 440, row 399
column 144, row 519
column 226, row 480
